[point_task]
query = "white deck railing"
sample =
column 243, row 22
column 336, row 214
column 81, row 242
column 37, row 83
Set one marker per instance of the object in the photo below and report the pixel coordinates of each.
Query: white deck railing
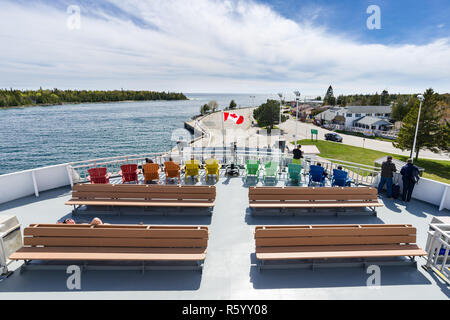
column 24, row 183
column 438, row 250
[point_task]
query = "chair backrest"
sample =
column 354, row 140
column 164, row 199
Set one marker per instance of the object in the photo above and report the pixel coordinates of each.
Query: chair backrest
column 151, row 171
column 271, row 167
column 307, row 194
column 98, row 175
column 212, row 164
column 340, row 174
column 129, row 172
column 143, row 192
column 340, row 177
column 170, row 165
column 329, row 235
column 252, row 166
column 192, row 164
column 97, row 172
column 316, row 172
column 131, row 236
column 294, row 169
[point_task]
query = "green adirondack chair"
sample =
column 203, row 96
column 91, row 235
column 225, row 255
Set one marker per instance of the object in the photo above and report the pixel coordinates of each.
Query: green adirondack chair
column 271, row 170
column 252, row 169
column 294, row 172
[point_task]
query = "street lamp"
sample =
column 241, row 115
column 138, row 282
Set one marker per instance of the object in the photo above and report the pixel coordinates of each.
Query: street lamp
column 297, row 95
column 279, row 121
column 421, row 98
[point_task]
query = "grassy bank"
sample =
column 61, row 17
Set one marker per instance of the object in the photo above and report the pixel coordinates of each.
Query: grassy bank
column 438, row 170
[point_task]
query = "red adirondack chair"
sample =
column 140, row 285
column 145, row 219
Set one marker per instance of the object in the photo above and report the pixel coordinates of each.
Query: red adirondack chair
column 129, row 173
column 99, row 176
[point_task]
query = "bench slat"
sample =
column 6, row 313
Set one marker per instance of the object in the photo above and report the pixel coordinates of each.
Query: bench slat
column 337, row 231
column 119, row 226
column 325, row 248
column 336, row 240
column 99, row 254
column 312, row 190
column 114, row 242
column 298, row 197
column 141, row 195
column 324, row 204
column 116, row 233
column 340, row 254
column 143, row 203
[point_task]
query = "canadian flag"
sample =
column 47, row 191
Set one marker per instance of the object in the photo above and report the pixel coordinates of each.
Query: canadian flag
column 233, row 116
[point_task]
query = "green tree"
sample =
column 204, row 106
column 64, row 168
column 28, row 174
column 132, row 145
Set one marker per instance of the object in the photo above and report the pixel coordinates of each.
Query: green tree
column 385, row 99
column 444, row 139
column 341, row 101
column 402, row 106
column 205, row 109
column 268, row 113
column 329, row 97
column 213, row 106
column 232, row 105
column 430, row 129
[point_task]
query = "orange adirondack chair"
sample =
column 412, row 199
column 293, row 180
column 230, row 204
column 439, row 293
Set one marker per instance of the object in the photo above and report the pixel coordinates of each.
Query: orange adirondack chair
column 151, row 172
column 129, row 173
column 99, row 176
column 172, row 170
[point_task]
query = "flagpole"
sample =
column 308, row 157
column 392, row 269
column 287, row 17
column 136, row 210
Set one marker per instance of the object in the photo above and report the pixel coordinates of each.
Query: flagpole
column 223, row 134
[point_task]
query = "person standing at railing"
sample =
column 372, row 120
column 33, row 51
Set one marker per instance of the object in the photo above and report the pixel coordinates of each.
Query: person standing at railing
column 387, row 172
column 298, row 155
column 410, row 176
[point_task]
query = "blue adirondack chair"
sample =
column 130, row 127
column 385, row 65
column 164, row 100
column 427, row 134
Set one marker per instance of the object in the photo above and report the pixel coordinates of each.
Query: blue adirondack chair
column 340, row 178
column 316, row 175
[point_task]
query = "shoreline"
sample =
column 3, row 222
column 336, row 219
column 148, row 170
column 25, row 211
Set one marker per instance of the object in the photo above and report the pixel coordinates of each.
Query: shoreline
column 72, row 103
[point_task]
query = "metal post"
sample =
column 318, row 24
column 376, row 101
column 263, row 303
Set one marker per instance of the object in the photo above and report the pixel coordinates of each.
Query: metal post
column 421, row 98
column 297, row 95
column 279, row 120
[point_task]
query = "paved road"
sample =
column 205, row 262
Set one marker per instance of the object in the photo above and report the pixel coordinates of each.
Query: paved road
column 245, row 133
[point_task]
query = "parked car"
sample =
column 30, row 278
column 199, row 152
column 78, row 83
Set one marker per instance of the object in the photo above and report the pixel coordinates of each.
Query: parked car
column 333, row 137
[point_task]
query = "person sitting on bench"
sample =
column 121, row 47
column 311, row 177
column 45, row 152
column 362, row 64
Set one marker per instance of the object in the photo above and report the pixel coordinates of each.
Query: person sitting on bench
column 95, row 222
column 325, row 173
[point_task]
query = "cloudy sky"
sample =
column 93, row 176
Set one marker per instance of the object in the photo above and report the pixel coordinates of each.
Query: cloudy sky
column 229, row 46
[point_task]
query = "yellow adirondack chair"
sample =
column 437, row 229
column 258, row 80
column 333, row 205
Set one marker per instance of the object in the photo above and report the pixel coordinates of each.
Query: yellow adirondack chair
column 192, row 169
column 212, row 167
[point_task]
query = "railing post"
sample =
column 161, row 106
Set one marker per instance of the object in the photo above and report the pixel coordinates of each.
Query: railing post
column 36, row 190
column 444, row 196
column 69, row 173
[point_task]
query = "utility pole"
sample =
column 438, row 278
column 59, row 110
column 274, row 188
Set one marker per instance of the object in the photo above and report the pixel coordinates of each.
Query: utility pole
column 421, row 98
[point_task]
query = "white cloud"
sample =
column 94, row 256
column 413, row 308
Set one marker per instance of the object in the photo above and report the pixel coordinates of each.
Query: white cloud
column 205, row 46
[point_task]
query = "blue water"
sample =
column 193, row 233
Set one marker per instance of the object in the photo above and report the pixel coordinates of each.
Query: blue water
column 33, row 137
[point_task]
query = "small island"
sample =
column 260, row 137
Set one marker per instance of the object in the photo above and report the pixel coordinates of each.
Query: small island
column 21, row 98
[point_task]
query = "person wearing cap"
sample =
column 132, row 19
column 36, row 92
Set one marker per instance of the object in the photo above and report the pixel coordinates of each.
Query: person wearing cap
column 410, row 176
column 387, row 173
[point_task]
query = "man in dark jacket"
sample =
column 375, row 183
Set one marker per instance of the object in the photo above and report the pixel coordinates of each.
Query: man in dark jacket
column 387, row 172
column 410, row 176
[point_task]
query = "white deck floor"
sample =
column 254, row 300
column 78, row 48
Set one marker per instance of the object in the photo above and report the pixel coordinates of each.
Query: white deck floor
column 228, row 272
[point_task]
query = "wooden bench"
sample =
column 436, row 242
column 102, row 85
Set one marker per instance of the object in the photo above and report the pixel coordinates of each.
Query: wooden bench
column 314, row 197
column 142, row 195
column 319, row 245
column 114, row 243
